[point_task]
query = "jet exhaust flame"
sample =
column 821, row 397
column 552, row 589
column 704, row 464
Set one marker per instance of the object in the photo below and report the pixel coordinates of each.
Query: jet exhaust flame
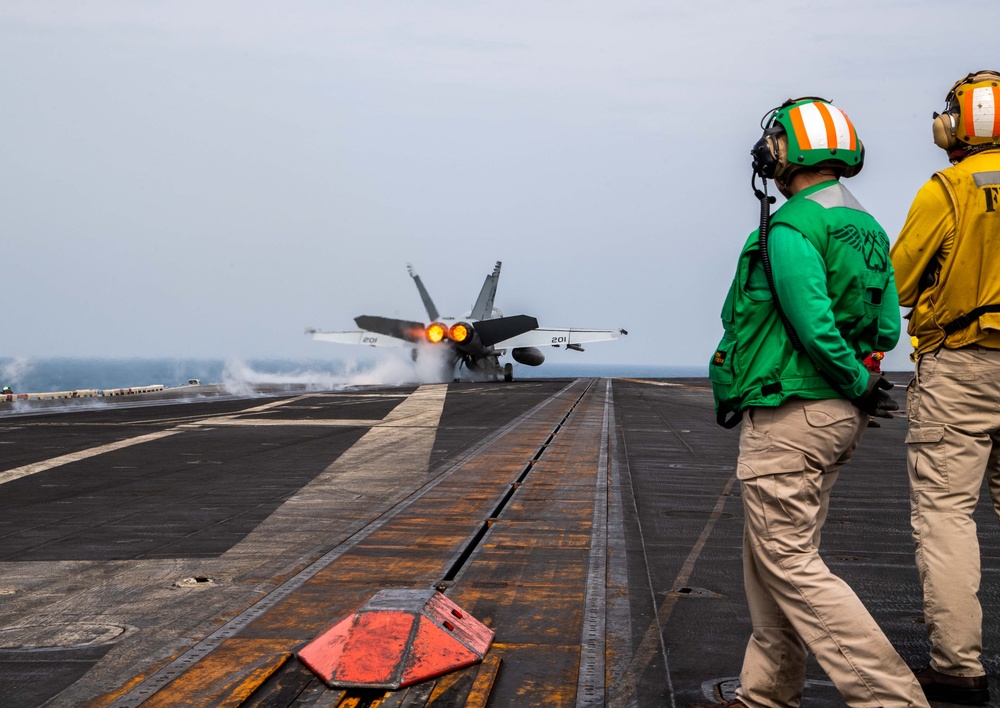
column 460, row 332
column 436, row 332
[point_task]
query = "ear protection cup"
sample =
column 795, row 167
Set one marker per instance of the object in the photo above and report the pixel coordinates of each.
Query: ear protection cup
column 949, row 128
column 766, row 153
column 944, row 128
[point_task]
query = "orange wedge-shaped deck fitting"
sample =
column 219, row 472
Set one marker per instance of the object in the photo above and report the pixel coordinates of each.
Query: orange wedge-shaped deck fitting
column 397, row 638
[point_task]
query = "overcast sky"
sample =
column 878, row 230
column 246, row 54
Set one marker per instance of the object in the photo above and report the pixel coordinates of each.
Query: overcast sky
column 206, row 179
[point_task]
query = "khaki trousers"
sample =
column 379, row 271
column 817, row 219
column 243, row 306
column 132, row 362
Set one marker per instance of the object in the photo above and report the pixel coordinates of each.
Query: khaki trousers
column 953, row 403
column 789, row 460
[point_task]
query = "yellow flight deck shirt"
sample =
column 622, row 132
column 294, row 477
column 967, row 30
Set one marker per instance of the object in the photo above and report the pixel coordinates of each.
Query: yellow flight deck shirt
column 947, row 257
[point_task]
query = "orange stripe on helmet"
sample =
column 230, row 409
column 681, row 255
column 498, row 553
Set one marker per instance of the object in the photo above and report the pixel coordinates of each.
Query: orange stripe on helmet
column 831, row 129
column 996, row 111
column 970, row 123
column 854, row 135
column 800, row 128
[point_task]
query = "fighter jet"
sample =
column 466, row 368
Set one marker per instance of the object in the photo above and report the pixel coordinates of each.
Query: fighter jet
column 475, row 342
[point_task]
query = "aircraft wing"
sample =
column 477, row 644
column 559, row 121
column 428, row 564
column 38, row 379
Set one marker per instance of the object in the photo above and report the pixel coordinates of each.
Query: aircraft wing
column 546, row 336
column 368, row 339
column 400, row 329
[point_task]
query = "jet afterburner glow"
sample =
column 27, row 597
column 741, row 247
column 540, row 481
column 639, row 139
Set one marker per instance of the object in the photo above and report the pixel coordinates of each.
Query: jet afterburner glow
column 460, row 332
column 435, row 332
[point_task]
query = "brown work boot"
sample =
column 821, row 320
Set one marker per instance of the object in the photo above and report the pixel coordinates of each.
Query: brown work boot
column 964, row 690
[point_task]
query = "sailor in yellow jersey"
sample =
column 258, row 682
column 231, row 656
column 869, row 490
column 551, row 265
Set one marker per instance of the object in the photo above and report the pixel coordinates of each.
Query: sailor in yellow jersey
column 947, row 263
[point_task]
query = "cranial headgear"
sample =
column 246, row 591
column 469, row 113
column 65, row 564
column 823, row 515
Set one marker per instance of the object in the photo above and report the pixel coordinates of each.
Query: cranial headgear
column 972, row 113
column 807, row 132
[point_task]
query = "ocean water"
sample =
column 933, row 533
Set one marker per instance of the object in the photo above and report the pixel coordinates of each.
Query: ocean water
column 70, row 374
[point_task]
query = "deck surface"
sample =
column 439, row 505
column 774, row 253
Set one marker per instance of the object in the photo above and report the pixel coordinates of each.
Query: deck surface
column 181, row 553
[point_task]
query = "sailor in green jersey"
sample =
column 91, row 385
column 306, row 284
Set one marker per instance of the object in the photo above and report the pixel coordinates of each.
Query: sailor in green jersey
column 809, row 302
column 833, row 277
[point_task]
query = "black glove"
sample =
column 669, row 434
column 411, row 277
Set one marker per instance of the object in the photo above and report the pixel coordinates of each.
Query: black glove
column 876, row 401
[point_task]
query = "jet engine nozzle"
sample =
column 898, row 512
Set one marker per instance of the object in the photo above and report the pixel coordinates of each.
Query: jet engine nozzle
column 435, row 332
column 461, row 332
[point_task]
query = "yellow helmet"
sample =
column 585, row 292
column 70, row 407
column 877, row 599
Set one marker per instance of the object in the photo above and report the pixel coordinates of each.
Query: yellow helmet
column 972, row 113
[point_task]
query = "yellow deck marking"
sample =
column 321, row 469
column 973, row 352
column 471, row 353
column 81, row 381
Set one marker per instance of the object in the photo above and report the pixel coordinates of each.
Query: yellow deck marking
column 378, row 465
column 396, row 418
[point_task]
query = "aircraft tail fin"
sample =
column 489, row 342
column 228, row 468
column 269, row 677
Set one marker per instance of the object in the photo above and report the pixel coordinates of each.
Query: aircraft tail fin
column 432, row 311
column 483, row 309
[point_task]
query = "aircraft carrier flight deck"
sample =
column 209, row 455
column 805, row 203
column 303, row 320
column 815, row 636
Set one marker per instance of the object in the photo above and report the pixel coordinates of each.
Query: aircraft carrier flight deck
column 184, row 553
